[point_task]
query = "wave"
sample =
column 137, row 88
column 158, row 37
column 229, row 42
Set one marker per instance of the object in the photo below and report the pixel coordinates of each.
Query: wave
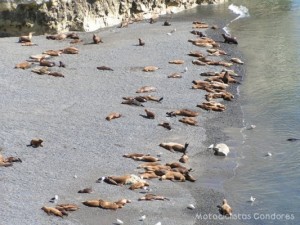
column 241, row 11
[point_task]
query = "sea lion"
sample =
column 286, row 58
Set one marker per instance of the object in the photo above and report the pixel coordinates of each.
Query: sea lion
column 199, row 33
column 36, row 142
column 61, row 64
column 113, row 115
column 214, row 106
column 52, row 211
column 237, row 60
column 28, row 44
column 229, row 39
column 141, row 42
column 40, row 70
column 97, row 39
column 149, row 114
column 86, row 190
column 176, row 61
column 73, row 36
column 148, row 175
column 166, row 23
column 23, row 65
column 225, row 209
column 293, row 139
column 147, row 158
column 151, row 197
column 216, row 52
column 146, row 89
column 172, row 175
column 67, row 207
column 183, row 112
column 198, row 62
column 158, row 168
column 44, row 62
column 214, row 27
column 144, row 165
column 117, row 180
column 26, row 38
column 225, row 95
column 184, row 158
column 104, row 68
column 189, row 120
column 150, row 68
column 171, row 146
column 55, row 74
column 200, row 26
column 196, row 54
column 152, row 98
column 138, row 185
column 76, row 41
column 175, row 75
column 57, row 37
column 134, row 155
column 132, row 102
column 92, row 203
column 52, row 52
column 70, row 50
column 165, row 125
column 153, row 20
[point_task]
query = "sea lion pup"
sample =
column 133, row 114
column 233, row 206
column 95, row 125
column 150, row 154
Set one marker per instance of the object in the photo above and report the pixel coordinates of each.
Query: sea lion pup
column 172, row 146
column 196, row 54
column 225, row 95
column 52, row 211
column 229, row 39
column 23, row 65
column 86, row 190
column 237, row 60
column 214, row 27
column 117, row 180
column 189, row 120
column 146, row 89
column 152, row 98
column 172, row 175
column 150, row 68
column 165, row 125
column 113, row 115
column 26, row 38
column 36, row 142
column 104, row 68
column 55, row 74
column 141, row 42
column 70, row 50
column 151, row 197
column 52, row 52
column 132, row 102
column 149, row 114
column 44, row 62
column 216, row 52
column 225, row 209
column 176, row 61
column 183, row 112
column 199, row 33
column 184, row 158
column 97, row 39
column 73, row 36
column 138, row 185
column 61, row 64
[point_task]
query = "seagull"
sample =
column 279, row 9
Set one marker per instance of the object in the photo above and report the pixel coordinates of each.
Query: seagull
column 251, row 127
column 191, row 206
column 159, row 223
column 159, row 154
column 100, row 180
column 75, row 176
column 252, row 199
column 269, row 154
column 119, row 221
column 142, row 218
column 54, row 199
column 185, row 70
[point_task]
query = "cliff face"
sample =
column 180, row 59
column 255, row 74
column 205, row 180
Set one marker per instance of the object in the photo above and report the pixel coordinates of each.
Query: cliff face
column 52, row 16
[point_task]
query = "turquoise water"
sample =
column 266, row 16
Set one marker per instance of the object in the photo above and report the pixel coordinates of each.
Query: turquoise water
column 270, row 96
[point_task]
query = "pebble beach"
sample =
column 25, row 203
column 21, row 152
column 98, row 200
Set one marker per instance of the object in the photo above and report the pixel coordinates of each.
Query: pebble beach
column 80, row 146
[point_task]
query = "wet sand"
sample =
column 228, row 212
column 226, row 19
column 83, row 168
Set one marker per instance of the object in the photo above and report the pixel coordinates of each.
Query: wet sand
column 69, row 115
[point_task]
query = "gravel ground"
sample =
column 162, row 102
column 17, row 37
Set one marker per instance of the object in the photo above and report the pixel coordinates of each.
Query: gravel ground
column 69, row 115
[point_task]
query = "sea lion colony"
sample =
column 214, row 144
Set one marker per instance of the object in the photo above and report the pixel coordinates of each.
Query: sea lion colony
column 216, row 85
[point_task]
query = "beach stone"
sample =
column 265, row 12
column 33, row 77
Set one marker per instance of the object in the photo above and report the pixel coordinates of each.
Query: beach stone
column 221, row 149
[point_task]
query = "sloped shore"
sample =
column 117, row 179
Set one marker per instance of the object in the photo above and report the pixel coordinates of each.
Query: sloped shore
column 69, row 115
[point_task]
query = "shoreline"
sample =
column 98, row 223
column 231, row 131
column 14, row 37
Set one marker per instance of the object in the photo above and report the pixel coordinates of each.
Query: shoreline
column 72, row 130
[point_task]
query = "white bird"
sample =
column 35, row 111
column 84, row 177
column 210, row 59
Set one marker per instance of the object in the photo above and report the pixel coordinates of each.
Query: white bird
column 159, row 223
column 251, row 127
column 174, row 30
column 169, row 34
column 211, row 146
column 142, row 218
column 119, row 221
column 191, row 206
column 269, row 154
column 252, row 199
column 54, row 199
column 101, row 180
column 185, row 70
column 75, row 176
column 159, row 154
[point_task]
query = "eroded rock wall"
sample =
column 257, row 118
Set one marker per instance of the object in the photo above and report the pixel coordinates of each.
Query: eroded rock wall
column 52, row 16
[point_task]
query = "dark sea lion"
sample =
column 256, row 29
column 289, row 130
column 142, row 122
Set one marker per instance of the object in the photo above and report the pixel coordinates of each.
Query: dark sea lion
column 293, row 139
column 199, row 33
column 97, row 39
column 55, row 74
column 132, row 102
column 165, row 125
column 86, row 190
column 229, row 39
column 44, row 62
column 196, row 54
column 70, row 50
column 104, row 68
column 149, row 114
column 166, row 23
column 61, row 64
column 73, row 36
column 36, row 142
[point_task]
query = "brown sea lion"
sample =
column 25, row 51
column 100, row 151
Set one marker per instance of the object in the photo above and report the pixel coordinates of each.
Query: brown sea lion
column 76, row 41
column 176, row 61
column 172, row 175
column 229, row 39
column 183, row 112
column 146, row 89
column 214, row 106
column 196, row 54
column 141, row 42
column 149, row 114
column 44, row 62
column 92, row 203
column 52, row 52
column 148, row 175
column 138, row 185
column 132, row 102
column 36, row 142
column 200, row 26
column 172, row 146
column 26, row 38
column 151, row 197
column 97, row 39
column 67, row 207
column 237, row 60
column 55, row 74
column 52, row 211
column 150, row 68
column 73, row 36
column 113, row 115
column 225, row 209
column 56, row 37
column 199, row 63
column 23, row 65
column 225, row 95
column 117, row 180
column 146, row 158
column 184, row 158
column 104, row 68
column 70, row 50
column 86, row 190
column 189, row 120
column 135, row 155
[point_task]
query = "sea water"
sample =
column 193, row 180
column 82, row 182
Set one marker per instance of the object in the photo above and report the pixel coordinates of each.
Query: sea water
column 268, row 33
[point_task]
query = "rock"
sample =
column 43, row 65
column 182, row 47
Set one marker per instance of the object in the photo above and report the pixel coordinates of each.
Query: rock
column 221, row 149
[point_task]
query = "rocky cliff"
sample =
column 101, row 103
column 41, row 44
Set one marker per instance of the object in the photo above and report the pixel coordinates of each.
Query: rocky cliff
column 52, row 16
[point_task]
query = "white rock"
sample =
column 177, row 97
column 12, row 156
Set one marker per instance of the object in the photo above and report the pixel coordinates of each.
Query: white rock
column 221, row 149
